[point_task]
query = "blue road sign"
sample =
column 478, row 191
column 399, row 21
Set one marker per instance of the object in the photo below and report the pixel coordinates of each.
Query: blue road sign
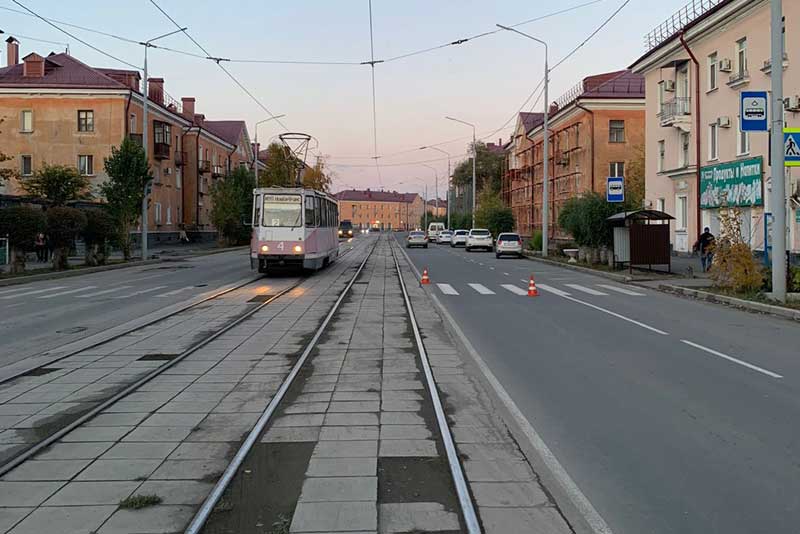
column 791, row 147
column 615, row 189
column 753, row 111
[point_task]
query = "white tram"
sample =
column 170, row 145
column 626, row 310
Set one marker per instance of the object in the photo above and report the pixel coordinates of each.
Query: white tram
column 293, row 227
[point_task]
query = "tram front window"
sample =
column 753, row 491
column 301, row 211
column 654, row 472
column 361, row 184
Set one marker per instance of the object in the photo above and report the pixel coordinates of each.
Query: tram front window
column 282, row 211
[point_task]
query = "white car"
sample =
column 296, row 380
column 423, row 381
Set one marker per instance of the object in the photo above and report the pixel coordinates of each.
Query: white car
column 416, row 239
column 445, row 236
column 508, row 243
column 433, row 231
column 479, row 238
column 459, row 238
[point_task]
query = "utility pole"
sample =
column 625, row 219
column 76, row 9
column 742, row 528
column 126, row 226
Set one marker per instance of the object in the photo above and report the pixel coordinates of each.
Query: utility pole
column 778, row 199
column 448, row 180
column 474, row 164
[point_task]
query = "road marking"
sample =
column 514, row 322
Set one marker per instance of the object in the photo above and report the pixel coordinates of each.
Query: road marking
column 33, row 292
column 97, row 293
column 15, row 290
column 551, row 289
column 447, row 289
column 506, row 274
column 491, row 268
column 622, row 290
column 514, row 289
column 732, row 359
column 69, row 292
column 588, row 290
column 142, row 292
column 174, row 292
column 483, row 290
column 617, row 315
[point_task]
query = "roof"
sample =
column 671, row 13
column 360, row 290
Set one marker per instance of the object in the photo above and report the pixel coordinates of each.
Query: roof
column 367, row 195
column 230, row 131
column 61, row 71
column 640, row 215
column 494, row 148
column 531, row 120
column 620, row 84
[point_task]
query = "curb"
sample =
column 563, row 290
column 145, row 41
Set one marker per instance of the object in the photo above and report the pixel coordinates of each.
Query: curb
column 626, row 279
column 731, row 301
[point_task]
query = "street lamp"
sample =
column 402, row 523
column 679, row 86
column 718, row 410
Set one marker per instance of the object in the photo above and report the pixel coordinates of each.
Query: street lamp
column 148, row 185
column 255, row 155
column 435, row 186
column 546, row 147
column 449, row 178
column 474, row 159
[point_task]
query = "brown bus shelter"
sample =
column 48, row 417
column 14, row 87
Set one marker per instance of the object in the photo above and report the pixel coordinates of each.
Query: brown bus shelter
column 641, row 238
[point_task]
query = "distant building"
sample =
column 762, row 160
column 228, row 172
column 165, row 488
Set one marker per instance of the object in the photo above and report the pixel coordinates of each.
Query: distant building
column 385, row 210
column 437, row 209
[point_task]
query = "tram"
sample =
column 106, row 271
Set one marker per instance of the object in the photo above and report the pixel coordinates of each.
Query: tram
column 293, row 227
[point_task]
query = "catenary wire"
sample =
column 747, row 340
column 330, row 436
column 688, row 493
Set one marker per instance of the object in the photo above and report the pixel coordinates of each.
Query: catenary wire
column 374, row 99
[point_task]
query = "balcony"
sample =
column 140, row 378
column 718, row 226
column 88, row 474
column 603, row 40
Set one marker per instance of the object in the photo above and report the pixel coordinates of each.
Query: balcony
column 739, row 78
column 136, row 138
column 203, row 166
column 180, row 158
column 676, row 112
column 217, row 171
column 767, row 68
column 161, row 150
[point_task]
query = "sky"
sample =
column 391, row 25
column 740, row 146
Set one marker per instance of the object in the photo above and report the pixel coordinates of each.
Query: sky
column 483, row 81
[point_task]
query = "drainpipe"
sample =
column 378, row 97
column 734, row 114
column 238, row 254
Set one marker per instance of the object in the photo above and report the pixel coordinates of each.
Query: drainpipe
column 591, row 143
column 197, row 184
column 697, row 124
column 183, row 174
column 127, row 111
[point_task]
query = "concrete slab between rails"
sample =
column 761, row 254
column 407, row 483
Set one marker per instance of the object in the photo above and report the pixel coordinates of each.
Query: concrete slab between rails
column 758, row 307
column 46, row 358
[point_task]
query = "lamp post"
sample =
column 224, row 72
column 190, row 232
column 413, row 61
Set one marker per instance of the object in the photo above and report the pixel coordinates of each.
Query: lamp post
column 146, row 98
column 449, row 178
column 255, row 155
column 546, row 143
column 474, row 159
column 435, row 186
column 778, row 199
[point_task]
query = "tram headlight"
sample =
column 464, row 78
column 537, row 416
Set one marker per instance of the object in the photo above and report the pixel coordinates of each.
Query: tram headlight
column 298, row 248
column 264, row 248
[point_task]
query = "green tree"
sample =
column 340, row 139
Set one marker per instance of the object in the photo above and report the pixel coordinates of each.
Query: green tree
column 21, row 224
column 493, row 215
column 63, row 226
column 128, row 172
column 100, row 230
column 5, row 173
column 488, row 170
column 317, row 177
column 281, row 167
column 585, row 217
column 232, row 200
column 57, row 183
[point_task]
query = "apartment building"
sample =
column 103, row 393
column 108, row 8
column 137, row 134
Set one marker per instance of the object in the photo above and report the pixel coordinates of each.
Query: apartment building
column 384, row 210
column 696, row 65
column 594, row 130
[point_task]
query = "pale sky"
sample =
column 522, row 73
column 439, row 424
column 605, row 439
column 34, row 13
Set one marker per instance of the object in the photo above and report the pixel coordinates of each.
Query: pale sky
column 483, row 81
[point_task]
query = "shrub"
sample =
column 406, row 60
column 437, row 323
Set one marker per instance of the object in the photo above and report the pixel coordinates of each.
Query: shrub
column 794, row 274
column 734, row 266
column 536, row 241
column 99, row 231
column 63, row 226
column 232, row 204
column 493, row 215
column 21, row 224
column 585, row 219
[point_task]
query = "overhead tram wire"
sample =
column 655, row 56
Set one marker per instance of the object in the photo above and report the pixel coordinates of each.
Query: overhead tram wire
column 374, row 99
column 61, row 22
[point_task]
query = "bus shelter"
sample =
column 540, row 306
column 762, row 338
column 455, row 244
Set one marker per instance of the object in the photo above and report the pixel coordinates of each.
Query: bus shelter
column 641, row 238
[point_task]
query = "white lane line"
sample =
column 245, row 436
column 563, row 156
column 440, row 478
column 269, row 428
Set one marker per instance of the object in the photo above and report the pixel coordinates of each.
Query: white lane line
column 506, row 274
column 97, row 293
column 483, row 290
column 622, row 290
column 174, row 292
column 68, row 292
column 15, row 290
column 447, row 289
column 551, row 289
column 33, row 292
column 142, row 292
column 514, row 289
column 588, row 290
column 732, row 359
column 491, row 268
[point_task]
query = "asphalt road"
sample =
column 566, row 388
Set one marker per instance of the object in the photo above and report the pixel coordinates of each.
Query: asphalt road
column 671, row 415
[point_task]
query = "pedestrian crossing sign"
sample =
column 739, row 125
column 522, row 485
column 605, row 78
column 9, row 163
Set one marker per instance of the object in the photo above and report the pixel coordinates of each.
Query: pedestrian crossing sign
column 791, row 147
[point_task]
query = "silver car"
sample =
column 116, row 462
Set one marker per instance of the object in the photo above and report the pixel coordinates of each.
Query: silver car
column 508, row 243
column 479, row 238
column 416, row 239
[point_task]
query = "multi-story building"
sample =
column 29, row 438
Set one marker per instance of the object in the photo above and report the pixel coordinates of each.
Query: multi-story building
column 697, row 158
column 437, row 209
column 595, row 128
column 517, row 188
column 385, row 210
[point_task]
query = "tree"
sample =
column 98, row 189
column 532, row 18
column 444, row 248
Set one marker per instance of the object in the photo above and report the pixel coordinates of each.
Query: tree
column 488, row 170
column 634, row 178
column 734, row 266
column 232, row 201
column 100, row 229
column 585, row 219
column 63, row 226
column 128, row 172
column 21, row 224
column 57, row 183
column 493, row 215
column 5, row 173
column 281, row 167
column 317, row 177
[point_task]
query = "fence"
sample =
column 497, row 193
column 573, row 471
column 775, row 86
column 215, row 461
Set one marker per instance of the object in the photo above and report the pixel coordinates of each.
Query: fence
column 682, row 18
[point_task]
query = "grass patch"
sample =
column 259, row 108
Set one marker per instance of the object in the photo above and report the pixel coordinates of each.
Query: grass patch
column 281, row 526
column 754, row 296
column 137, row 502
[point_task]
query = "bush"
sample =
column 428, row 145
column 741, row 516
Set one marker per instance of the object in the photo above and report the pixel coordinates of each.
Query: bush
column 493, row 215
column 57, row 183
column 795, row 279
column 63, row 226
column 99, row 231
column 536, row 241
column 734, row 267
column 21, row 224
column 232, row 200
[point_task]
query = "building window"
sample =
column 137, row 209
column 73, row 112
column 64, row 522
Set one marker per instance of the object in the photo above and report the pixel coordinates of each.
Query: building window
column 741, row 57
column 157, row 212
column 132, row 128
column 684, row 149
column 26, row 121
column 169, row 214
column 712, row 71
column 161, row 133
column 681, row 212
column 85, row 120
column 178, row 179
column 27, row 166
column 86, row 165
column 661, row 155
column 661, row 95
column 742, row 141
column 661, row 204
column 616, row 131
column 713, row 141
column 616, row 168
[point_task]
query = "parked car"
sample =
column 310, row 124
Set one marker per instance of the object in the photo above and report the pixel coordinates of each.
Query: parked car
column 479, row 238
column 445, row 236
column 433, row 231
column 459, row 238
column 416, row 239
column 508, row 243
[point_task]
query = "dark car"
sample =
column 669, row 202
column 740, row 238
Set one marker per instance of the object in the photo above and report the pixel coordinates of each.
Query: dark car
column 345, row 229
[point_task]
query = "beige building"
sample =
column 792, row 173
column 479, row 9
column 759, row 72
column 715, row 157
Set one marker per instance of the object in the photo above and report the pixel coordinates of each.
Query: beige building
column 695, row 68
column 383, row 210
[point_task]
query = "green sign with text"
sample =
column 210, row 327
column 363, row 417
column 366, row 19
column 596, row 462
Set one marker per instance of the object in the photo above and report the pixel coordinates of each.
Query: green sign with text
column 738, row 182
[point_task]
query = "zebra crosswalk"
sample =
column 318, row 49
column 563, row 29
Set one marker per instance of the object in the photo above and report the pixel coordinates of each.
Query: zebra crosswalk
column 599, row 290
column 19, row 295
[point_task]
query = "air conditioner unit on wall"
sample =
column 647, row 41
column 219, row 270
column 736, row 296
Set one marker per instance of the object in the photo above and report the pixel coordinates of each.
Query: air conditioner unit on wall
column 792, row 103
column 725, row 65
column 724, row 122
column 669, row 86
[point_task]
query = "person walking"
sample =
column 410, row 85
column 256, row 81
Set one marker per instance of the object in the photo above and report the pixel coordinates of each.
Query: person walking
column 40, row 248
column 705, row 245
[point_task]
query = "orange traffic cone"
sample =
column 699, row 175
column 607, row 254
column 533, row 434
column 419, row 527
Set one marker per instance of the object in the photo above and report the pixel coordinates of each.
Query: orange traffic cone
column 425, row 279
column 532, row 291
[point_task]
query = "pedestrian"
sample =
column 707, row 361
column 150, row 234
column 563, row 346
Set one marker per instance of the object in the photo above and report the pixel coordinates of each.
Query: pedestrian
column 48, row 248
column 705, row 245
column 40, row 248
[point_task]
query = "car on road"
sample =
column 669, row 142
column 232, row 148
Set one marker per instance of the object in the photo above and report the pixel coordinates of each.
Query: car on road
column 445, row 236
column 433, row 231
column 479, row 238
column 416, row 238
column 459, row 238
column 345, row 229
column 508, row 243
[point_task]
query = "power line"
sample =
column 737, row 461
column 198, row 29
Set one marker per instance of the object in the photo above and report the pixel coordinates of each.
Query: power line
column 591, row 35
column 115, row 58
column 374, row 99
column 84, row 28
column 39, row 40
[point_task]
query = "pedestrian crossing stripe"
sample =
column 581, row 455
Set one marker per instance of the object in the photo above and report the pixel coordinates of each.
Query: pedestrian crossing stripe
column 587, row 290
column 622, row 290
column 551, row 289
column 104, row 292
column 447, row 289
column 514, row 289
column 68, row 292
column 483, row 290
